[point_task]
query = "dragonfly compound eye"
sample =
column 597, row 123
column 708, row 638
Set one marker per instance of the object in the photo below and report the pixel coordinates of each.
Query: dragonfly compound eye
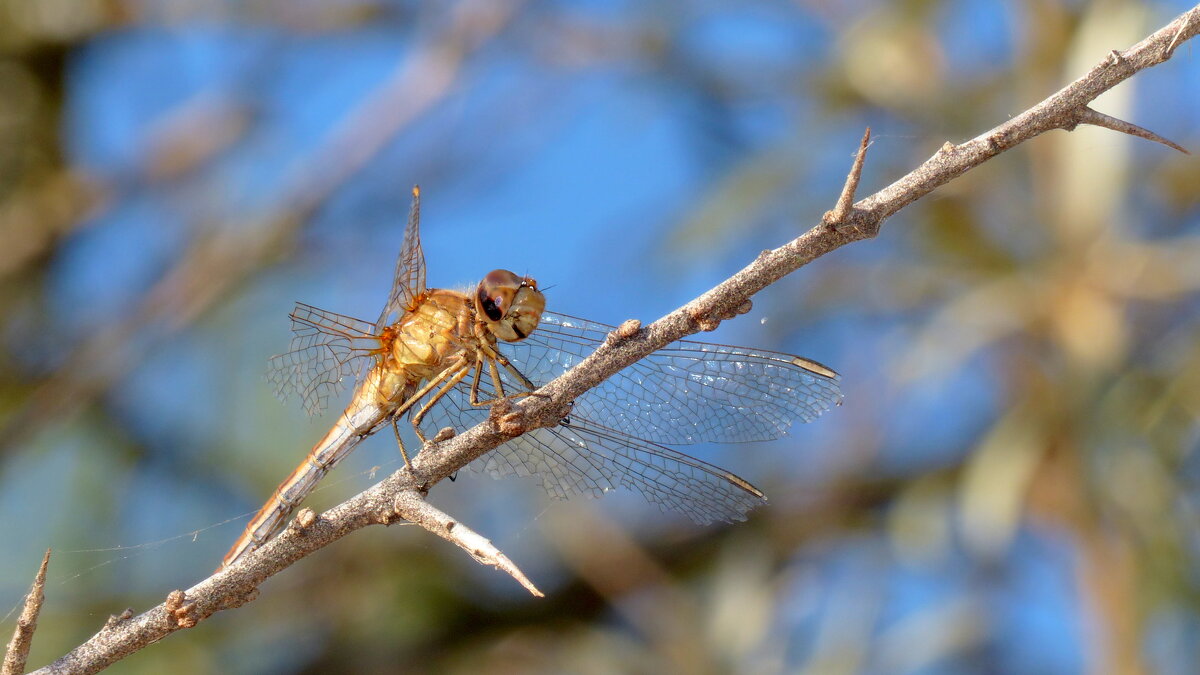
column 496, row 293
column 491, row 307
column 510, row 305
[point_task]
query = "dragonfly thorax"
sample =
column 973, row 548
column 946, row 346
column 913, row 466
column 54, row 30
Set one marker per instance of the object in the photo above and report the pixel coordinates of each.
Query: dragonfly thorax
column 428, row 337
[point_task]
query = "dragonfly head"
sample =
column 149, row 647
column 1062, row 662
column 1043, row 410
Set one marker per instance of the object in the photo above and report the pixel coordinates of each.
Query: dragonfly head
column 510, row 305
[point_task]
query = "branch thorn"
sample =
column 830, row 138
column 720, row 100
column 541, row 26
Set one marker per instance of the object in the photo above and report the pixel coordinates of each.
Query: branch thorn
column 846, row 200
column 1086, row 115
column 22, row 639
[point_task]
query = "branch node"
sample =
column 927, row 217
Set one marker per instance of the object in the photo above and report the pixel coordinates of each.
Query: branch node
column 703, row 321
column 846, row 200
column 179, row 613
column 305, row 519
column 115, row 620
column 512, row 424
column 185, row 617
column 443, row 434
column 508, row 421
column 741, row 309
column 237, row 600
column 626, row 330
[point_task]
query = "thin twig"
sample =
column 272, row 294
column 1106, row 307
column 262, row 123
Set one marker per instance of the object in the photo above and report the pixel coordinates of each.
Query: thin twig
column 413, row 508
column 238, row 583
column 22, row 639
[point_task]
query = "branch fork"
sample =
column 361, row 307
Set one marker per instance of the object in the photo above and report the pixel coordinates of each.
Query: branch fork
column 411, row 506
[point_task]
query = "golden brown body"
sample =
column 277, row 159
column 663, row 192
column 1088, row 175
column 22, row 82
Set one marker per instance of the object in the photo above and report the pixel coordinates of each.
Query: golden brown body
column 415, row 354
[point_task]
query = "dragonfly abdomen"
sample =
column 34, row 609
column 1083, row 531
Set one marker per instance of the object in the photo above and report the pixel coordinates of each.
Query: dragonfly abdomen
column 355, row 424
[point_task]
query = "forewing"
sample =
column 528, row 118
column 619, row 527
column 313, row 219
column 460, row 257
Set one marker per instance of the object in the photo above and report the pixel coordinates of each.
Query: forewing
column 326, row 349
column 409, row 282
column 687, row 392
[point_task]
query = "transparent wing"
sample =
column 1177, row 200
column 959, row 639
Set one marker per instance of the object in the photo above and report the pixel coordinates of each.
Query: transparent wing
column 584, row 458
column 580, row 457
column 326, row 349
column 687, row 392
column 409, row 282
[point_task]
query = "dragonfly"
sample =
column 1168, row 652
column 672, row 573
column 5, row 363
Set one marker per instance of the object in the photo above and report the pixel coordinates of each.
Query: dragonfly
column 442, row 357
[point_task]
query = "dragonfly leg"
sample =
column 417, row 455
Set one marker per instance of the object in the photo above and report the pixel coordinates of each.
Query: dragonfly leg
column 451, row 382
column 451, row 372
column 478, row 368
column 497, row 383
column 400, row 444
column 525, row 381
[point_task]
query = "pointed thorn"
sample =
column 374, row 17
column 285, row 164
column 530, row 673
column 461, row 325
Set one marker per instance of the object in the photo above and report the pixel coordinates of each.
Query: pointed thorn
column 22, row 639
column 846, row 200
column 1086, row 115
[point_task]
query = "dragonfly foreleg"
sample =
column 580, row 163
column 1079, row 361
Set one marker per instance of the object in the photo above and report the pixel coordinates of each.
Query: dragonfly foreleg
column 478, row 368
column 525, row 382
column 497, row 383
